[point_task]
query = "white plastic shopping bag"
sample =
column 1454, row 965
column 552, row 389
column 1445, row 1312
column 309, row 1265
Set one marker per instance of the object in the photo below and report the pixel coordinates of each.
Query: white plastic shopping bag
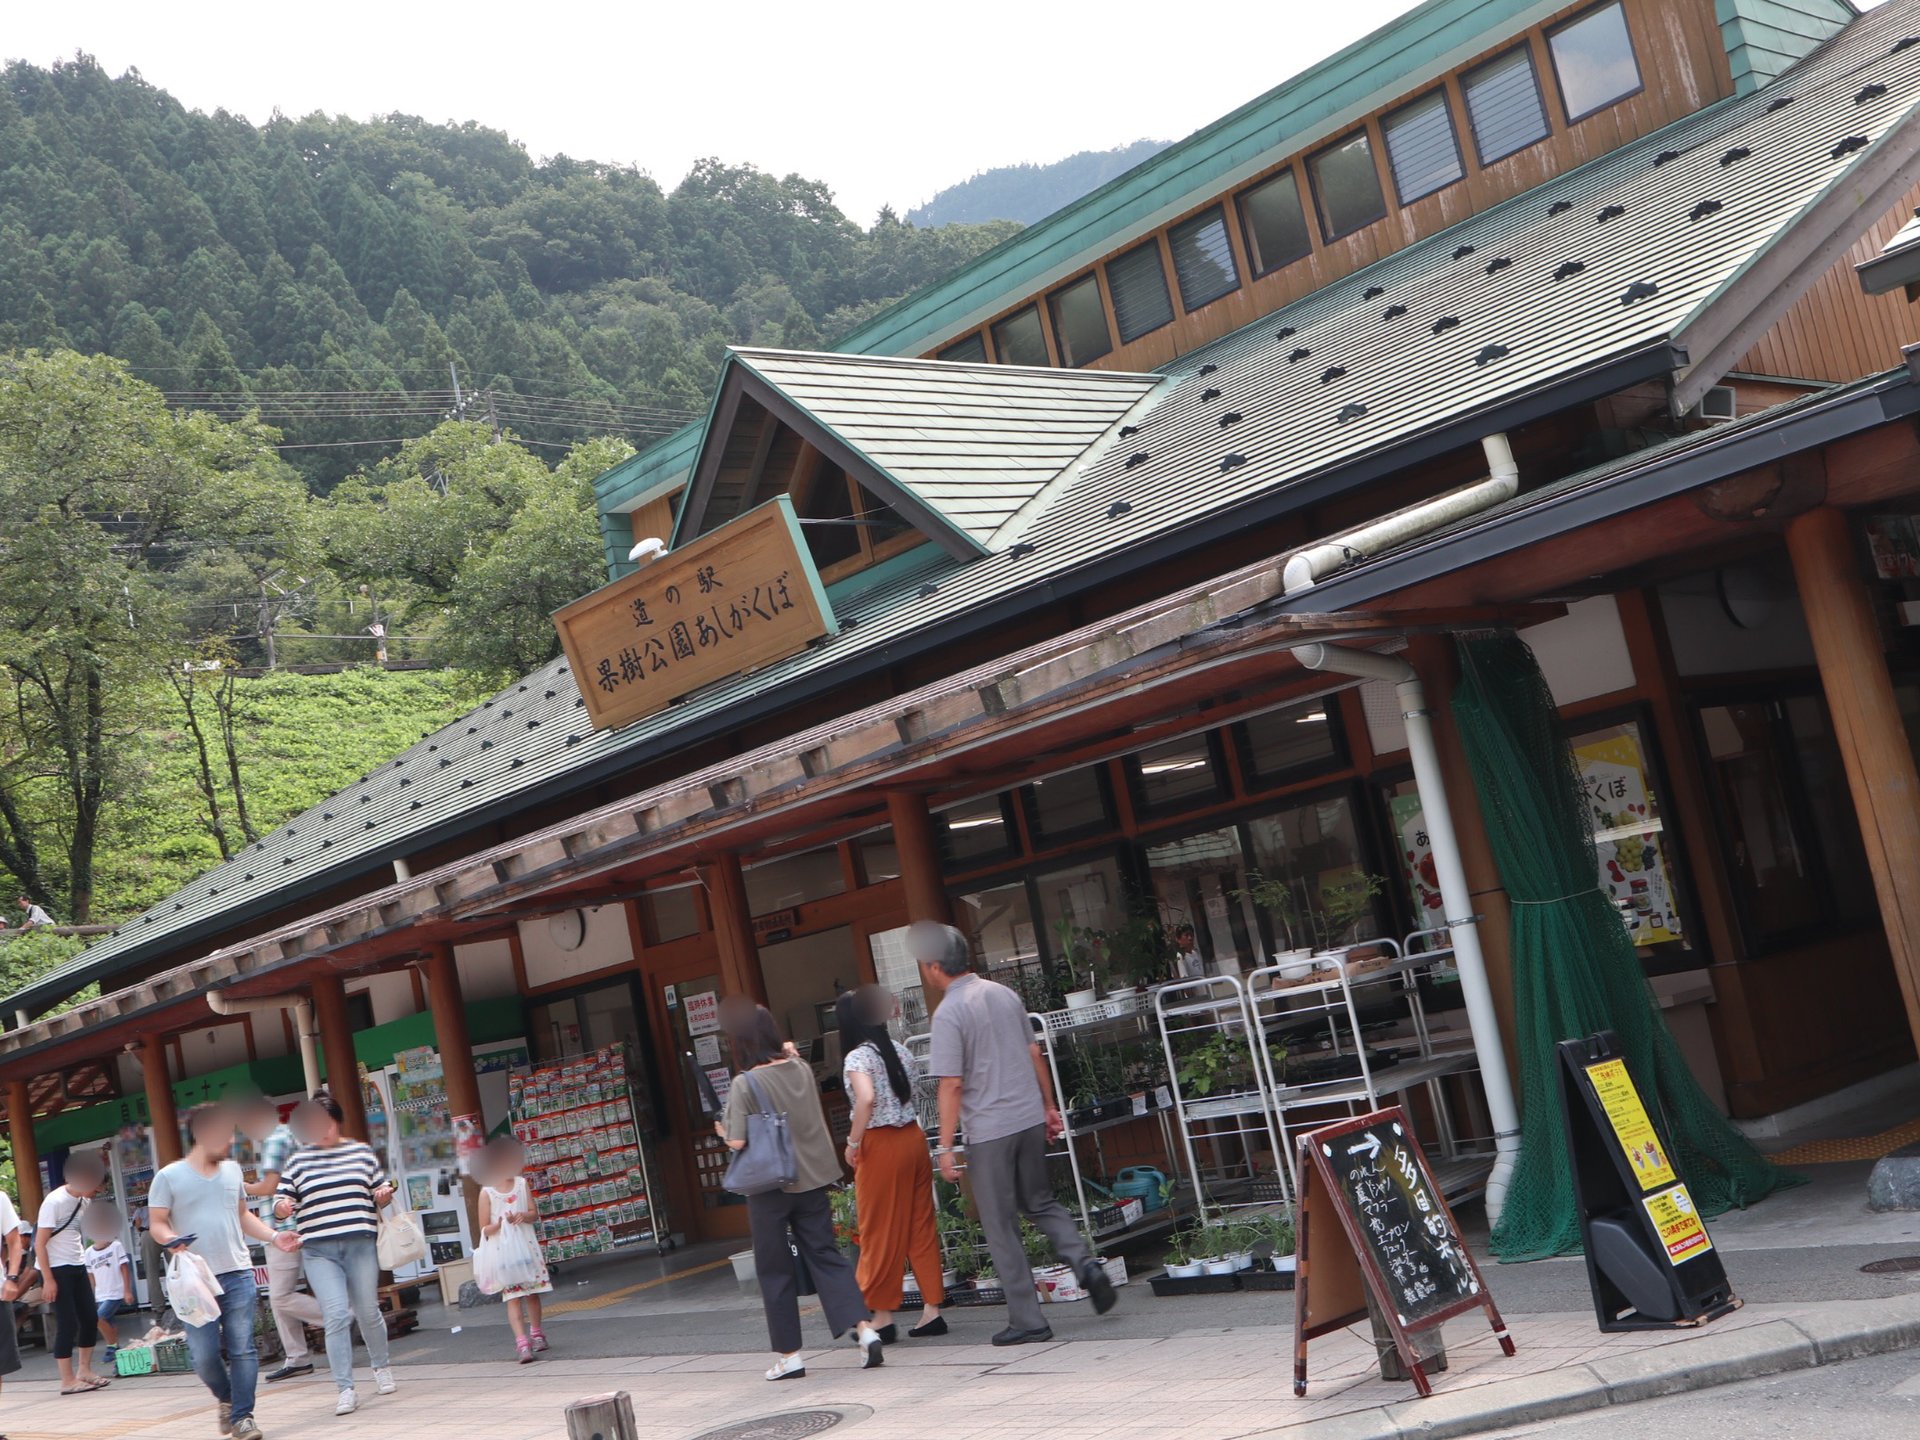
column 508, row 1258
column 400, row 1241
column 191, row 1288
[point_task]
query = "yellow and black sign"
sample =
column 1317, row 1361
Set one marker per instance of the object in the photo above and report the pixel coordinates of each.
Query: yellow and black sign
column 739, row 598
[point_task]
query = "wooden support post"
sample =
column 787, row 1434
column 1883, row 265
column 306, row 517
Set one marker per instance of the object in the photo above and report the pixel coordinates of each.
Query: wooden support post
column 336, row 1045
column 1438, row 662
column 26, row 1149
column 449, row 1009
column 162, row 1119
column 1867, row 727
column 919, row 852
column 733, row 929
column 602, row 1417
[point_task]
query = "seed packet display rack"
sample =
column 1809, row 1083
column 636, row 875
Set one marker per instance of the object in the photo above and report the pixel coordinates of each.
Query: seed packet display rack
column 588, row 1164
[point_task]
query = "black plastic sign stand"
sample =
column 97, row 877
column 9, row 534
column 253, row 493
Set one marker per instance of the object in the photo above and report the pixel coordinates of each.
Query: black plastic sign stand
column 1373, row 1224
column 1650, row 1262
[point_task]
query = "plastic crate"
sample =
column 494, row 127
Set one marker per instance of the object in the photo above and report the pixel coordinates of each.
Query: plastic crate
column 133, row 1360
column 171, row 1357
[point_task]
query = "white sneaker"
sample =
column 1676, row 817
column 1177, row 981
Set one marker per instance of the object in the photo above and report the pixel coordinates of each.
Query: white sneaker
column 383, row 1381
column 348, row 1403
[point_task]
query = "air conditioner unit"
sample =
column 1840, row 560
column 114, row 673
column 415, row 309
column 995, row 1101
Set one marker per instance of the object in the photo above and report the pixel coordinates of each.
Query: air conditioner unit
column 1718, row 405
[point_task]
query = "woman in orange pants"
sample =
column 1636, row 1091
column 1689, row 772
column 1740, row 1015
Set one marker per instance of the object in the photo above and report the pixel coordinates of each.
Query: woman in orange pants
column 892, row 1171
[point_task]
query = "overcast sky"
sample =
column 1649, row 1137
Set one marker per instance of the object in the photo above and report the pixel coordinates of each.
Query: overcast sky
column 886, row 102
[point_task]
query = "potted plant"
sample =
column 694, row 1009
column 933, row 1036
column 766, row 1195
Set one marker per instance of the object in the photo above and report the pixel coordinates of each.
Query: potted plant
column 1344, row 905
column 846, row 1220
column 1181, row 1264
column 1138, row 951
column 1080, row 958
column 1222, row 1065
column 1213, row 1252
column 1279, row 901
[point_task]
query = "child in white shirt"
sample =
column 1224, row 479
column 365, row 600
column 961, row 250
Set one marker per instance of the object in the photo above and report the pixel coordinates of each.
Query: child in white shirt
column 109, row 1270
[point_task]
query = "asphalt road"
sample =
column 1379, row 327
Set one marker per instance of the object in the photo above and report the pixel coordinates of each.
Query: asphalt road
column 1877, row 1397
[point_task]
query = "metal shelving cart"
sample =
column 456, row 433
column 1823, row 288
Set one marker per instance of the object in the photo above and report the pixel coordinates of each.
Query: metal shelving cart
column 1366, row 1021
column 1223, row 1135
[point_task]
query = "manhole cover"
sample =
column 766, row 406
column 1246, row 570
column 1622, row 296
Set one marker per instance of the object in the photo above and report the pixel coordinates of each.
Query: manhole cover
column 788, row 1425
column 1901, row 1265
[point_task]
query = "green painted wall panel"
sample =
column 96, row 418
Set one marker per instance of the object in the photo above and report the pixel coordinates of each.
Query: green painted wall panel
column 1764, row 37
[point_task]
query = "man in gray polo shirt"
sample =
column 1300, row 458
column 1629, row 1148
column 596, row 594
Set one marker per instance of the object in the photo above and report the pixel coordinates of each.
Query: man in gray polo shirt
column 994, row 1086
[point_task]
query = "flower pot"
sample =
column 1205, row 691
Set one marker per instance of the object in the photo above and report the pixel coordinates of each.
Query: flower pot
column 1294, row 964
column 1187, row 1271
column 1222, row 1266
column 949, row 1279
column 1082, row 999
column 1243, row 1260
column 743, row 1270
column 1285, row 1264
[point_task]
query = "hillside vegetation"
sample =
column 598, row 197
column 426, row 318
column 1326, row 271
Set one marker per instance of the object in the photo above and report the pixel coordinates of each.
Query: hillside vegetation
column 1027, row 193
column 295, row 263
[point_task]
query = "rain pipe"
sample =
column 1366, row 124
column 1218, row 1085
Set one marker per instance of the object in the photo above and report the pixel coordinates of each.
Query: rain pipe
column 303, row 1025
column 1302, row 571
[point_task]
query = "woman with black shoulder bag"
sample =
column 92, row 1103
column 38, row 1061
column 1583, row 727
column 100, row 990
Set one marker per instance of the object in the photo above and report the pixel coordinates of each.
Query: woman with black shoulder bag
column 784, row 1164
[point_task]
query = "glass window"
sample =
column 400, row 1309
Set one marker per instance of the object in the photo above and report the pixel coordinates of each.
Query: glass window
column 794, row 880
column 1284, row 744
column 999, row 922
column 1177, row 775
column 1137, row 281
column 1503, row 105
column 1593, row 59
column 1836, row 825
column 1275, row 223
column 1346, row 184
column 1087, row 896
column 1636, row 859
column 827, row 503
column 1314, row 850
column 975, row 830
column 895, row 970
column 1197, row 882
column 1203, row 258
column 972, row 350
column 668, row 915
column 1421, row 148
column 1019, row 340
column 1079, row 322
column 1070, row 806
column 880, row 522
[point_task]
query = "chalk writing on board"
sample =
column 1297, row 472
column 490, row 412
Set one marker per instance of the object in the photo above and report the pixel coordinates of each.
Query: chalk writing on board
column 1401, row 1222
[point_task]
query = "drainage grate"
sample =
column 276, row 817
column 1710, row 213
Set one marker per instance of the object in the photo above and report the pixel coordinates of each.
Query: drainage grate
column 1900, row 1265
column 788, row 1425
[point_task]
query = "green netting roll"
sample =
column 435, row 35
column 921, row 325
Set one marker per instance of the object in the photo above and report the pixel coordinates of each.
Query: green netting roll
column 1574, row 969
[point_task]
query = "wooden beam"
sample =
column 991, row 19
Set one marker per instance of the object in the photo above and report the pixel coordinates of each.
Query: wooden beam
column 336, row 1046
column 1868, row 728
column 919, row 852
column 455, row 1045
column 164, row 1123
column 733, row 928
column 26, row 1149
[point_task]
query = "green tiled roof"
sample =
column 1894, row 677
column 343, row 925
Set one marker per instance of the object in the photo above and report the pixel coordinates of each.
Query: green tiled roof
column 975, row 443
column 1764, row 37
column 1654, row 245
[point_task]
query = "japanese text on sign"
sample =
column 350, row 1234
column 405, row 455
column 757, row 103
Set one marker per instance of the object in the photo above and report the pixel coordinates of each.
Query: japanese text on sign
column 727, row 602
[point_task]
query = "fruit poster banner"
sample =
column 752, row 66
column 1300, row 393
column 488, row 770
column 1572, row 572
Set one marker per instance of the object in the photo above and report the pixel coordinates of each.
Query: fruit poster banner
column 1629, row 836
column 1416, row 854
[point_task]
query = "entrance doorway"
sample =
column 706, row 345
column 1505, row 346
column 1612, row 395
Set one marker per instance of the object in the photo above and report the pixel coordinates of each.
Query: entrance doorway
column 685, row 1006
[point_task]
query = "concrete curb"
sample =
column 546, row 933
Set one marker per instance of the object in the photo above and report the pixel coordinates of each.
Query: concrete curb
column 1830, row 1333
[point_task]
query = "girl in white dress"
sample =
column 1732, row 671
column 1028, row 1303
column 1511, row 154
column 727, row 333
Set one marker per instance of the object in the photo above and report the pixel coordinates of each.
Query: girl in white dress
column 506, row 1199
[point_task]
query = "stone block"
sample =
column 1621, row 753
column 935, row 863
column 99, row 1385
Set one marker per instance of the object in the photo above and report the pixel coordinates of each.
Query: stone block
column 1895, row 1181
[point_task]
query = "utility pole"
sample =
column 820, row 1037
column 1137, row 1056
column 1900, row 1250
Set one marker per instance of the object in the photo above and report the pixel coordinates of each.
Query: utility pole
column 266, row 625
column 459, row 401
column 492, row 419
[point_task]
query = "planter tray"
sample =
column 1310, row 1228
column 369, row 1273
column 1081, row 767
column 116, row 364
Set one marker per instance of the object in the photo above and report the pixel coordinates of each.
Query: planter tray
column 1101, row 1112
column 976, row 1295
column 1196, row 1285
column 1266, row 1279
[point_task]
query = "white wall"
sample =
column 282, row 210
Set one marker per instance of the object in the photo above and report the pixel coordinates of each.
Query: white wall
column 1705, row 639
column 486, row 970
column 607, row 944
column 270, row 1035
column 800, row 973
column 214, row 1048
column 391, row 995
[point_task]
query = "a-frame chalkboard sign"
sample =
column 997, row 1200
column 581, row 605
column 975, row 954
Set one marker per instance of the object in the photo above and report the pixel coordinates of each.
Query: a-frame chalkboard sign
column 1650, row 1262
column 1372, row 1219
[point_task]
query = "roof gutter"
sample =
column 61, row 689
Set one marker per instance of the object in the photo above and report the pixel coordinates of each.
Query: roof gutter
column 1656, row 361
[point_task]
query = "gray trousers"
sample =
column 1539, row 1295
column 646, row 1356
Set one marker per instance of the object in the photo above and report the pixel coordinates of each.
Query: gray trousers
column 1009, row 1178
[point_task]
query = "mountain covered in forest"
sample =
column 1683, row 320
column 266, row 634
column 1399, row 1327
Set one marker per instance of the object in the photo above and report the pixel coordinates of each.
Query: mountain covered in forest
column 1026, row 193
column 344, row 276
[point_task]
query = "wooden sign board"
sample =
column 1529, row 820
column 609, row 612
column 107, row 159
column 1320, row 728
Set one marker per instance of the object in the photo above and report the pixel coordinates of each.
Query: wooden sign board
column 734, row 600
column 1372, row 1220
column 1650, row 1263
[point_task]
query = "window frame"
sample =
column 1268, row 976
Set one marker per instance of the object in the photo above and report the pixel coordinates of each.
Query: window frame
column 867, row 551
column 968, row 864
column 1328, row 235
column 1254, row 782
column 1041, row 841
column 1255, row 255
column 1046, row 341
column 1144, row 807
column 1160, row 254
column 1440, row 93
column 1194, row 221
column 1525, row 47
column 1633, row 53
column 1067, row 359
column 978, row 337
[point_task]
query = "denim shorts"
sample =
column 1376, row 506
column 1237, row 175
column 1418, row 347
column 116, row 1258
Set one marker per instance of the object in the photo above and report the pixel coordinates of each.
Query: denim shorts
column 109, row 1308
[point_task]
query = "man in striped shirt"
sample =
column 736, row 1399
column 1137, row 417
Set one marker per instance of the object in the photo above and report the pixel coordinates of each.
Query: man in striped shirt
column 332, row 1190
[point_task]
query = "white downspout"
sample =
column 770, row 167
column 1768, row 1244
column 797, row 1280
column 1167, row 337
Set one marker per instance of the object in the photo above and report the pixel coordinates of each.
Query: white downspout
column 1302, row 571
column 303, row 1025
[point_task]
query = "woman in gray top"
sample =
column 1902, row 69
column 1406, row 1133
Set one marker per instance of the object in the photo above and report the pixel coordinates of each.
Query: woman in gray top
column 787, row 1083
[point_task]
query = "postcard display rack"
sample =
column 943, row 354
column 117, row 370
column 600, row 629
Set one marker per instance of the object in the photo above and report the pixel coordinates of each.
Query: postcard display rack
column 1356, row 1038
column 588, row 1163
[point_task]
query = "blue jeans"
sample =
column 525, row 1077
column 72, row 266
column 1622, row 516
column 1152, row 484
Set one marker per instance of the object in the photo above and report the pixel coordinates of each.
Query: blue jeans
column 231, row 1380
column 344, row 1275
